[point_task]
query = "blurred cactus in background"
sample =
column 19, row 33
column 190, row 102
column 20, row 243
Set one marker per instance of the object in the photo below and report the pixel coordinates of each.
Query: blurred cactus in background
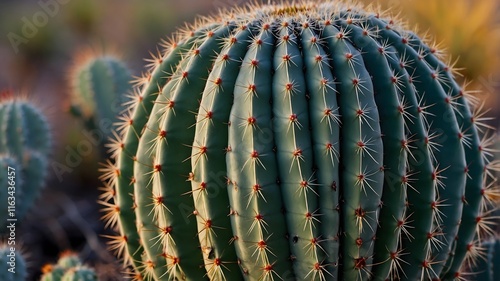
column 100, row 85
column 69, row 267
column 25, row 144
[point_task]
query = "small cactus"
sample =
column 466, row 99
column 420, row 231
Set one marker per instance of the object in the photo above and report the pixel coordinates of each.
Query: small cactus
column 100, row 87
column 68, row 268
column 12, row 264
column 299, row 142
column 25, row 142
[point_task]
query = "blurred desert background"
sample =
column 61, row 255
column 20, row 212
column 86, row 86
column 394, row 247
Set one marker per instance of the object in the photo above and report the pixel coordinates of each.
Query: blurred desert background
column 36, row 61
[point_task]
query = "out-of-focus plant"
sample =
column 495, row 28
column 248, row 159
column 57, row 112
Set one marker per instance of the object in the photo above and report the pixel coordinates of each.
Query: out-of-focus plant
column 69, row 267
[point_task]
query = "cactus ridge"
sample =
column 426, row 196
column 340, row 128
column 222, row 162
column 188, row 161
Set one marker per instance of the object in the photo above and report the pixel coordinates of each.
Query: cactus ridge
column 303, row 142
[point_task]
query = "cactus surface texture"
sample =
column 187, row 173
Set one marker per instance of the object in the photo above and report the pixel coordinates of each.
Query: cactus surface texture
column 69, row 267
column 302, row 142
column 100, row 87
column 25, row 142
column 12, row 264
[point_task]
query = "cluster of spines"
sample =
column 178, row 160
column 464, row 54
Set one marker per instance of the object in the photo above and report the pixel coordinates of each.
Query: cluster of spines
column 410, row 237
column 69, row 267
column 25, row 141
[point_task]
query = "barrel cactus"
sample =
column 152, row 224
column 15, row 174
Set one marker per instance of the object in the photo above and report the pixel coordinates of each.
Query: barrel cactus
column 100, row 84
column 25, row 142
column 299, row 142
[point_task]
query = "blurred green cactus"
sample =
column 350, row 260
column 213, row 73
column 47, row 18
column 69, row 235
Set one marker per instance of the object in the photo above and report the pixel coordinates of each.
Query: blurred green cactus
column 68, row 268
column 101, row 84
column 25, row 142
column 299, row 142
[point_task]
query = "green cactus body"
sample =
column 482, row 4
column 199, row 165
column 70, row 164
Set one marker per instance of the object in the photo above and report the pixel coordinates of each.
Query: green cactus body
column 473, row 196
column 123, row 207
column 325, row 125
column 303, row 142
column 100, row 88
column 255, row 200
column 209, row 171
column 12, row 264
column 392, row 122
column 363, row 172
column 451, row 169
column 26, row 139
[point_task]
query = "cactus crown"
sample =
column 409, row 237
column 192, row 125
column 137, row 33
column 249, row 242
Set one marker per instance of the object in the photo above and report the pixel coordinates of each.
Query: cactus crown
column 303, row 142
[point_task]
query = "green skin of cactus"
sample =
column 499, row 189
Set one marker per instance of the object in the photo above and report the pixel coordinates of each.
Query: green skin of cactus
column 101, row 86
column 26, row 139
column 9, row 273
column 305, row 150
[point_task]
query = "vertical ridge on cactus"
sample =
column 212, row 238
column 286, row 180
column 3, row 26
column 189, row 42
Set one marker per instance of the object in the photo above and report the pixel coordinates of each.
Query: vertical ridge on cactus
column 301, row 142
